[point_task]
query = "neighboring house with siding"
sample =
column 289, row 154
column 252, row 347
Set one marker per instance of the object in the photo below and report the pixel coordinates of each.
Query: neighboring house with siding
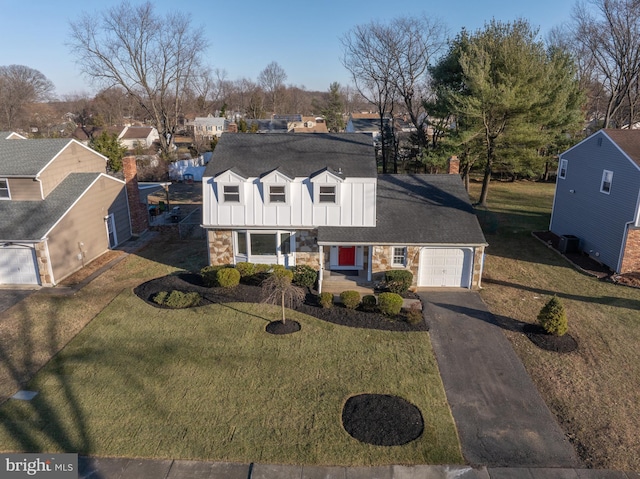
column 59, row 209
column 597, row 198
column 317, row 199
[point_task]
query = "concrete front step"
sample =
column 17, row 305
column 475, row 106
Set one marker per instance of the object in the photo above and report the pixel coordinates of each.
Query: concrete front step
column 338, row 286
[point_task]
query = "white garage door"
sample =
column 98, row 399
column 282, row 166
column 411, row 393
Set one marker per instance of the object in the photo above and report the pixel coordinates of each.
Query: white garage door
column 442, row 267
column 17, row 265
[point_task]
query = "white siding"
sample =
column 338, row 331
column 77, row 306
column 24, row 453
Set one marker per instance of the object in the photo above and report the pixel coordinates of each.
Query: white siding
column 356, row 204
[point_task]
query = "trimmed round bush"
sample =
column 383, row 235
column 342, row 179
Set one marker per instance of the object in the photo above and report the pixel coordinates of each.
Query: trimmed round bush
column 304, row 275
column 350, row 299
column 282, row 272
column 553, row 318
column 177, row 299
column 246, row 269
column 209, row 275
column 390, row 304
column 326, row 300
column 398, row 280
column 369, row 302
column 228, row 277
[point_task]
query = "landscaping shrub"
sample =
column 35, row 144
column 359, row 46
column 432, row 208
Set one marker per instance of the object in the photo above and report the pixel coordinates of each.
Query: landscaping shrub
column 389, row 304
column 414, row 314
column 177, row 299
column 246, row 269
column 228, row 277
column 326, row 300
column 398, row 280
column 350, row 299
column 304, row 275
column 553, row 318
column 209, row 275
column 262, row 268
column 369, row 302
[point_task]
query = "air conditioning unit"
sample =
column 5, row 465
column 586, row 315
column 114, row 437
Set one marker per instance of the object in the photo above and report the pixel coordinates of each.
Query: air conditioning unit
column 569, row 244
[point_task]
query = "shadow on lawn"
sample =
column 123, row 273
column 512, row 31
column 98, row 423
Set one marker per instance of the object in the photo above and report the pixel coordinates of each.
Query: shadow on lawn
column 503, row 322
column 21, row 362
column 632, row 304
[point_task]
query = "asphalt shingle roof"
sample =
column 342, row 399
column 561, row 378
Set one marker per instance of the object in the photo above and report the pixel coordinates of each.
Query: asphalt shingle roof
column 28, row 157
column 300, row 155
column 415, row 209
column 628, row 141
column 31, row 220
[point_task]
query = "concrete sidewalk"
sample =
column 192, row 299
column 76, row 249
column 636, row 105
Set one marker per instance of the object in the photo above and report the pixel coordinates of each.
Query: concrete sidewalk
column 112, row 468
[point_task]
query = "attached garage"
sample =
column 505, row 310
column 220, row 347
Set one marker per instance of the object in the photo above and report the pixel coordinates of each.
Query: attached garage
column 445, row 267
column 18, row 265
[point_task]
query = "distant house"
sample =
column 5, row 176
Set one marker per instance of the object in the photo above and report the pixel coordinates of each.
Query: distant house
column 207, row 127
column 367, row 123
column 59, row 209
column 138, row 137
column 309, row 124
column 597, row 198
column 316, row 199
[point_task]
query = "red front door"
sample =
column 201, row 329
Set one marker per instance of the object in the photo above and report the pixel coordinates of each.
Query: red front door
column 346, row 255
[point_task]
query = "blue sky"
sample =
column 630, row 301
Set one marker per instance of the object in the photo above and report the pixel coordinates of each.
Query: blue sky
column 303, row 36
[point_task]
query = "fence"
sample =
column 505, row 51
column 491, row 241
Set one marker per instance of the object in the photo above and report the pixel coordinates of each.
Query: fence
column 189, row 227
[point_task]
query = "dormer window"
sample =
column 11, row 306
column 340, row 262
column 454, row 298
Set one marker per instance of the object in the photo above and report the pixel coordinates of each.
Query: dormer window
column 4, row 189
column 231, row 193
column 327, row 194
column 277, row 194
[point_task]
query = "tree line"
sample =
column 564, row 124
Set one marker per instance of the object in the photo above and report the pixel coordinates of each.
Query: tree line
column 500, row 98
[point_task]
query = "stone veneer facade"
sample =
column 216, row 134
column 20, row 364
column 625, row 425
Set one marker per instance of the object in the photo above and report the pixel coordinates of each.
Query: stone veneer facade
column 631, row 259
column 43, row 264
column 220, row 246
column 307, row 248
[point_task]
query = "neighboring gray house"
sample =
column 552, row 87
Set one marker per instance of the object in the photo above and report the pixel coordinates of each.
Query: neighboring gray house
column 317, row 199
column 207, row 127
column 597, row 198
column 59, row 209
column 367, row 123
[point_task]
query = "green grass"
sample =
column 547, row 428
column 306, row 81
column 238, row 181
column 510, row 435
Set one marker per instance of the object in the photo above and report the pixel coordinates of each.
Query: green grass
column 209, row 383
column 593, row 392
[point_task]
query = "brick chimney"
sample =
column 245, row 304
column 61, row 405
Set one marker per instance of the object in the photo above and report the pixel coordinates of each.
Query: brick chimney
column 454, row 166
column 138, row 212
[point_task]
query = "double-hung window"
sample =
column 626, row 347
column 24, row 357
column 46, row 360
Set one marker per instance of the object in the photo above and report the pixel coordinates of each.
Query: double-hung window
column 562, row 173
column 277, row 194
column 605, row 185
column 4, row 189
column 399, row 256
column 327, row 194
column 231, row 193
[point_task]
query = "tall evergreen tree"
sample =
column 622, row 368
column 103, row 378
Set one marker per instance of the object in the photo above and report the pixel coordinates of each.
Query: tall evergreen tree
column 108, row 145
column 334, row 108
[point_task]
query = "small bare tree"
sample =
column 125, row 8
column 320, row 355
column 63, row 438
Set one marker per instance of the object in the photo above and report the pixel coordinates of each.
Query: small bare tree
column 278, row 288
column 272, row 80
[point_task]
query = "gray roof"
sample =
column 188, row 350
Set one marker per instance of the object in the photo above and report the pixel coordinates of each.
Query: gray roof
column 31, row 220
column 415, row 209
column 28, row 157
column 297, row 155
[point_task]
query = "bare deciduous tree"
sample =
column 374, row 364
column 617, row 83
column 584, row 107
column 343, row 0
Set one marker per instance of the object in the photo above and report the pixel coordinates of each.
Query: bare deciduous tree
column 272, row 80
column 153, row 58
column 607, row 36
column 278, row 289
column 19, row 86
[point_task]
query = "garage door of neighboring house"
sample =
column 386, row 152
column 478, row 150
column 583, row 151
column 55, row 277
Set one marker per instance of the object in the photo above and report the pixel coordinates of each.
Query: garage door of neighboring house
column 18, row 265
column 445, row 267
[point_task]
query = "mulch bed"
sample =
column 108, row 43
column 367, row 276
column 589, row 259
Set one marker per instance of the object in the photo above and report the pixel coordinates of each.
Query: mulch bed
column 244, row 293
column 549, row 342
column 278, row 327
column 382, row 420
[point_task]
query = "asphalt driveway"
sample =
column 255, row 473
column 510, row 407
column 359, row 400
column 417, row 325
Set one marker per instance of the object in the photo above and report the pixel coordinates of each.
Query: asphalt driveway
column 9, row 297
column 501, row 418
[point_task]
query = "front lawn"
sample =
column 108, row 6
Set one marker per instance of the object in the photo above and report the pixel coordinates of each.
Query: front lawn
column 594, row 391
column 209, row 383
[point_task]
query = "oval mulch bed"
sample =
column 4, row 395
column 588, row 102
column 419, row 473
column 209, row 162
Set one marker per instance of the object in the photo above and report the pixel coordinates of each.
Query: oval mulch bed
column 382, row 419
column 549, row 342
column 278, row 327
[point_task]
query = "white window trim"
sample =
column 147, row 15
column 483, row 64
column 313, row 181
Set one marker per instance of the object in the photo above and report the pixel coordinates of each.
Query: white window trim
column 268, row 187
column 277, row 251
column 236, row 185
column 8, row 197
column 604, row 175
column 317, row 195
column 563, row 166
column 403, row 264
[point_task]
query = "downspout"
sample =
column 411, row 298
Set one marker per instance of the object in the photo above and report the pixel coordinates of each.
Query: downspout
column 321, row 270
column 49, row 267
column 369, row 265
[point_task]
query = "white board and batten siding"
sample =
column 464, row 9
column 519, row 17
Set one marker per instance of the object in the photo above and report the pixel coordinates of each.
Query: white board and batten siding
column 355, row 204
